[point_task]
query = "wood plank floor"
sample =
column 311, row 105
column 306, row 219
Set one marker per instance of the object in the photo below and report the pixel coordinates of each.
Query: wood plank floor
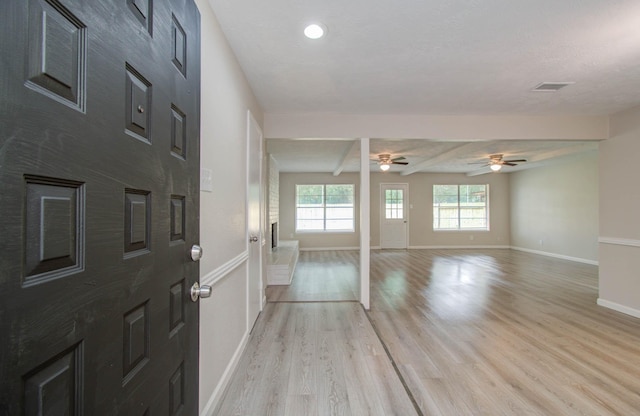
column 317, row 359
column 321, row 276
column 504, row 332
column 482, row 332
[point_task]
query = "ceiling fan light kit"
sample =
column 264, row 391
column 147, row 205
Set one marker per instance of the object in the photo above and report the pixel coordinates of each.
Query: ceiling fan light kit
column 385, row 161
column 496, row 162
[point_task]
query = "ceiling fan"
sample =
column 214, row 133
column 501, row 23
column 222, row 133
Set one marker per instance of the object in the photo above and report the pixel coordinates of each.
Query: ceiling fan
column 385, row 161
column 496, row 162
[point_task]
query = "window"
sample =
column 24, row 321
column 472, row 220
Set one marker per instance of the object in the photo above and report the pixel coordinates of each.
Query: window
column 325, row 207
column 460, row 207
column 394, row 204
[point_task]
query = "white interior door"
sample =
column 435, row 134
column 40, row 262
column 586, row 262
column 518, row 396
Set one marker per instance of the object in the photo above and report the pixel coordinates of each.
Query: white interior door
column 254, row 235
column 393, row 215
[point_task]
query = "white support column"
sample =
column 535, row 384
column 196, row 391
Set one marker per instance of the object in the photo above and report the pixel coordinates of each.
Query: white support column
column 365, row 222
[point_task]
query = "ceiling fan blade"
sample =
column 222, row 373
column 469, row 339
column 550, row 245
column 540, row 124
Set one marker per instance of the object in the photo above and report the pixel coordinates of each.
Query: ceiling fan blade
column 398, row 158
column 509, row 163
column 399, row 163
column 515, row 161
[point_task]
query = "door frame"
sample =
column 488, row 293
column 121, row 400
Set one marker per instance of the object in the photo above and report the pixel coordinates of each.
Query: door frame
column 406, row 210
column 252, row 123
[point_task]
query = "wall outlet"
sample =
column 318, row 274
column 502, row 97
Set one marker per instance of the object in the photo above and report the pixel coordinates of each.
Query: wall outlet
column 291, row 235
column 541, row 242
column 471, row 237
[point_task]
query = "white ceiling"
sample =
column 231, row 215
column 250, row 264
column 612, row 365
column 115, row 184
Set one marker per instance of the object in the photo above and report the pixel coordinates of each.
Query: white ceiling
column 434, row 57
column 338, row 156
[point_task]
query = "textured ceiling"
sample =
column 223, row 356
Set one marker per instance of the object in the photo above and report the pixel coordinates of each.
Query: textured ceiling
column 438, row 57
column 338, row 156
column 458, row 57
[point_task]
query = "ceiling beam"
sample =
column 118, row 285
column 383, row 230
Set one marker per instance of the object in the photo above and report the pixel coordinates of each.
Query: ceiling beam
column 480, row 171
column 443, row 157
column 537, row 160
column 564, row 151
column 348, row 154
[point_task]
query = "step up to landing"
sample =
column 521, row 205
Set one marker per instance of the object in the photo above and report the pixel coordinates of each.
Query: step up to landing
column 281, row 262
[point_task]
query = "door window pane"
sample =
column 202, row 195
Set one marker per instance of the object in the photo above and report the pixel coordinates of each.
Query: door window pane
column 394, row 203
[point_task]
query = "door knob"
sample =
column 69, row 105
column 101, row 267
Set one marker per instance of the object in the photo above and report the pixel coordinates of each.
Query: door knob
column 196, row 252
column 198, row 291
column 253, row 238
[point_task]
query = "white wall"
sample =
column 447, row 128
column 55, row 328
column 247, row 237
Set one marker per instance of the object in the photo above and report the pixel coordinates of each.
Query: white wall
column 554, row 209
column 225, row 98
column 620, row 214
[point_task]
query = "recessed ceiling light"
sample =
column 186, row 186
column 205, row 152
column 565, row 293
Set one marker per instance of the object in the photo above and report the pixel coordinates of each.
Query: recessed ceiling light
column 314, row 31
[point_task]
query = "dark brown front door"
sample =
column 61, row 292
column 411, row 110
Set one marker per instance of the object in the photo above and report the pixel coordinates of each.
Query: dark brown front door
column 99, row 168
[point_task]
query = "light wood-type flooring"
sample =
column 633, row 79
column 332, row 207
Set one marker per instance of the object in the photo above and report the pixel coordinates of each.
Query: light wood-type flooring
column 461, row 332
column 321, row 276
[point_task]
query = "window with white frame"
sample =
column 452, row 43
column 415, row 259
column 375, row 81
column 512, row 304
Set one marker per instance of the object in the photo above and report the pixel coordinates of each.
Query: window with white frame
column 327, row 207
column 460, row 207
column 393, row 204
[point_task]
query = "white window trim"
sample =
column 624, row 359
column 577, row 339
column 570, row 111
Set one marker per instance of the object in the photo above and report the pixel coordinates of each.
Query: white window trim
column 462, row 230
column 324, row 207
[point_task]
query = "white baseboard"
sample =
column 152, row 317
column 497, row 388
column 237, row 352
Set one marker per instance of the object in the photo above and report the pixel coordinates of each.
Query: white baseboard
column 542, row 253
column 445, row 247
column 619, row 241
column 329, row 248
column 619, row 308
column 557, row 256
column 216, row 396
column 456, row 247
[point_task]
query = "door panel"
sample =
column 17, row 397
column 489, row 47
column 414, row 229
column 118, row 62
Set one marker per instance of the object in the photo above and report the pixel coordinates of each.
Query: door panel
column 255, row 288
column 393, row 215
column 99, row 162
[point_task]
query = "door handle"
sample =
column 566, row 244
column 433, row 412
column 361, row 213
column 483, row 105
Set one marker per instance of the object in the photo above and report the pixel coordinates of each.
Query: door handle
column 198, row 291
column 253, row 238
column 196, row 252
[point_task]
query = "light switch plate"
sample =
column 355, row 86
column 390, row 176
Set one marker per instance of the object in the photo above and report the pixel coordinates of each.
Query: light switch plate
column 206, row 180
